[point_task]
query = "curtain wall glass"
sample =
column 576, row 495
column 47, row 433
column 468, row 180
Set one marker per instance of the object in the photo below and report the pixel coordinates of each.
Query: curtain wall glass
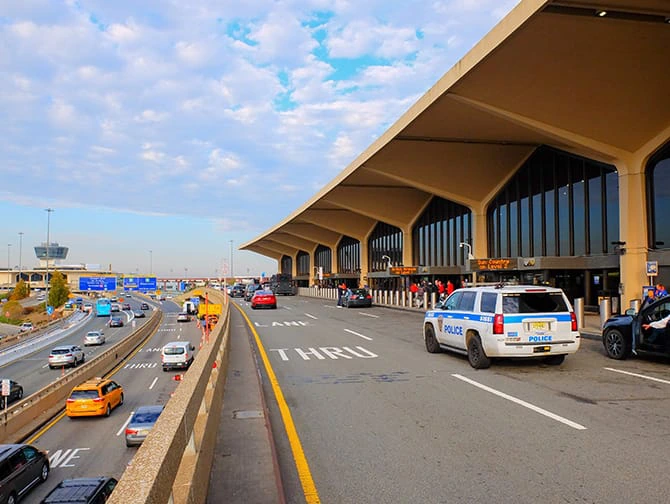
column 302, row 263
column 323, row 257
column 658, row 199
column 286, row 265
column 349, row 255
column 385, row 240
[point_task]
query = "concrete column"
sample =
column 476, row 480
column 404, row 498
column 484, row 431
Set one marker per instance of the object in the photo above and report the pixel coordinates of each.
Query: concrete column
column 479, row 234
column 313, row 276
column 294, row 266
column 364, row 262
column 633, row 231
column 407, row 248
column 333, row 259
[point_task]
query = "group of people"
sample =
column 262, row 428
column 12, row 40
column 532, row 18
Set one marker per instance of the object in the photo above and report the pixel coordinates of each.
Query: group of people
column 443, row 290
column 657, row 327
column 653, row 294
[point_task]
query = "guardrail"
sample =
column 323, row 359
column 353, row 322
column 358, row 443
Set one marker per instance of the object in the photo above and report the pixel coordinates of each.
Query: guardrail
column 24, row 417
column 173, row 464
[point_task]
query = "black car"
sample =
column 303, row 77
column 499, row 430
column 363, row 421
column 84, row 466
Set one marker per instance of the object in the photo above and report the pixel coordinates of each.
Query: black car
column 83, row 490
column 144, row 306
column 623, row 332
column 15, row 391
column 116, row 322
column 21, row 468
column 238, row 291
column 357, row 297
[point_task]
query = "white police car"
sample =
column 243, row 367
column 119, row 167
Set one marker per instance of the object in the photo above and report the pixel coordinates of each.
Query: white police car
column 503, row 321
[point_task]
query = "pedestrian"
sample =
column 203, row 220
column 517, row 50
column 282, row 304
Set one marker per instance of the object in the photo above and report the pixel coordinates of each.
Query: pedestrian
column 440, row 287
column 341, row 289
column 648, row 299
column 660, row 291
column 657, row 330
column 450, row 287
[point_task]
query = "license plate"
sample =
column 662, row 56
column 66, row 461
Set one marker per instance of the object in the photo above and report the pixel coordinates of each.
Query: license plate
column 541, row 349
column 539, row 326
column 143, row 432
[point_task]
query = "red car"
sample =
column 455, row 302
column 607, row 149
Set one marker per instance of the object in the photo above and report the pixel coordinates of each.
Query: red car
column 264, row 299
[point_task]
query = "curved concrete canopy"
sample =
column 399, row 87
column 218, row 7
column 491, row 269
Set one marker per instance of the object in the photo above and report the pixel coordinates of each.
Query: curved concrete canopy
column 551, row 72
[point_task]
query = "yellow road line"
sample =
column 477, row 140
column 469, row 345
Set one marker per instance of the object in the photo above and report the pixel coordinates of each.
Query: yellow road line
column 61, row 415
column 305, row 475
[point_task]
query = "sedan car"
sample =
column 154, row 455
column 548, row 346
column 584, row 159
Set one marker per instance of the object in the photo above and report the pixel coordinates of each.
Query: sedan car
column 141, row 423
column 88, row 307
column 357, row 297
column 66, row 355
column 116, row 322
column 624, row 333
column 26, row 326
column 139, row 314
column 144, row 306
column 249, row 292
column 264, row 299
column 125, row 306
column 15, row 390
column 238, row 290
column 183, row 317
column 115, row 307
column 94, row 338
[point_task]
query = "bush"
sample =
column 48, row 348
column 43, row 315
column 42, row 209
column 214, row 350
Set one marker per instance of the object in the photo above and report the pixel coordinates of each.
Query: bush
column 21, row 291
column 12, row 310
column 59, row 292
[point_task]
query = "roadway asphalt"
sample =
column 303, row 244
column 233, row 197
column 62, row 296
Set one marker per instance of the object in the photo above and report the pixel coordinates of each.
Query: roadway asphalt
column 380, row 420
column 86, row 447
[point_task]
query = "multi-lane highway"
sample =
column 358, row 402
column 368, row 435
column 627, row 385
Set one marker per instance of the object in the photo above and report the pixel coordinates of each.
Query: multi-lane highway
column 85, row 447
column 381, row 420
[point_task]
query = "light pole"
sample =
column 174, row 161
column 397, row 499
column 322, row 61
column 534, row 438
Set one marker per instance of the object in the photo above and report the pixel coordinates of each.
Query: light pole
column 20, row 255
column 470, row 257
column 232, row 270
column 9, row 247
column 151, row 262
column 46, row 278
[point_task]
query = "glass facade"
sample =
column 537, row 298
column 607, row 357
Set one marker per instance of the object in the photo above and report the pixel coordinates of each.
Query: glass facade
column 302, row 263
column 323, row 258
column 658, row 198
column 439, row 231
column 286, row 265
column 349, row 255
column 557, row 204
column 385, row 240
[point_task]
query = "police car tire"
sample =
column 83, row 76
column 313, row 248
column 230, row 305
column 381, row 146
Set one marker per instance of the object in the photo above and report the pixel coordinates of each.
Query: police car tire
column 476, row 355
column 554, row 360
column 431, row 341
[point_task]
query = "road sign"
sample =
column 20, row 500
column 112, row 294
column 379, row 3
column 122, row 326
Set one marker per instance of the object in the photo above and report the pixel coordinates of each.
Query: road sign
column 97, row 283
column 50, row 310
column 142, row 284
column 652, row 268
column 5, row 387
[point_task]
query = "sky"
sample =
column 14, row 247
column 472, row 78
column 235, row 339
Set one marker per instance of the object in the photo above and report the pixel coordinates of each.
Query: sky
column 163, row 134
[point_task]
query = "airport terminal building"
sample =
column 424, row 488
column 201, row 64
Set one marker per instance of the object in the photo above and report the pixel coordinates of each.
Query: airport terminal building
column 542, row 157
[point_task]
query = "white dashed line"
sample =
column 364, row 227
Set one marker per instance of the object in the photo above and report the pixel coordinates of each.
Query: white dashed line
column 520, row 402
column 125, row 424
column 153, row 383
column 358, row 334
column 311, row 316
column 369, row 315
column 639, row 375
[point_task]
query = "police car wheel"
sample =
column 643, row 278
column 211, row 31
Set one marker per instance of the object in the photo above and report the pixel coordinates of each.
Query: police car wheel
column 476, row 355
column 554, row 360
column 616, row 345
column 431, row 341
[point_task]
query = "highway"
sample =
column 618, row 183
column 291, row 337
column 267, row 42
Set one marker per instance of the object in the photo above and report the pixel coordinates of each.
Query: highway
column 32, row 371
column 381, row 420
column 94, row 446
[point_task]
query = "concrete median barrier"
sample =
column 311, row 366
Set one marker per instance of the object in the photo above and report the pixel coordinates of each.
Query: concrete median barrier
column 174, row 462
column 27, row 415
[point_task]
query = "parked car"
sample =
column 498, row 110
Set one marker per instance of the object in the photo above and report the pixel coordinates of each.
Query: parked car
column 81, row 490
column 66, row 355
column 15, row 391
column 94, row 397
column 622, row 333
column 141, row 423
column 264, row 299
column 357, row 297
column 22, row 467
column 116, row 322
column 26, row 326
column 94, row 338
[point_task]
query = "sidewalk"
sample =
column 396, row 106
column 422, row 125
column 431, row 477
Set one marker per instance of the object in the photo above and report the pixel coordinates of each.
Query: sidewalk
column 244, row 469
column 591, row 329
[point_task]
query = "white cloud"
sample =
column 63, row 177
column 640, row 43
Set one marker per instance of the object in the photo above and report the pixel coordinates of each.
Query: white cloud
column 151, row 116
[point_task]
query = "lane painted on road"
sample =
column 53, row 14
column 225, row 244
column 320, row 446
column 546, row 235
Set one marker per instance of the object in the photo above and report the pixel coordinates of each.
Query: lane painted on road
column 311, row 316
column 359, row 334
column 659, row 380
column 521, row 402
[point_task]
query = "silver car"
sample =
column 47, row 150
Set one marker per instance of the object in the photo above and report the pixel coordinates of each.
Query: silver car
column 94, row 338
column 141, row 423
column 67, row 355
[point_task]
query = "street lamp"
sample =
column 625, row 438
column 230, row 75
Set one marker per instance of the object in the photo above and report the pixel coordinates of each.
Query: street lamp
column 470, row 257
column 151, row 262
column 232, row 270
column 46, row 278
column 9, row 247
column 20, row 255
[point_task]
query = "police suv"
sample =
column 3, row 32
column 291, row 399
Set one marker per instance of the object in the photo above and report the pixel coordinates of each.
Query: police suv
column 503, row 321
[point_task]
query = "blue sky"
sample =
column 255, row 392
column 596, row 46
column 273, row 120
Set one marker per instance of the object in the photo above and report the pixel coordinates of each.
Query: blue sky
column 176, row 127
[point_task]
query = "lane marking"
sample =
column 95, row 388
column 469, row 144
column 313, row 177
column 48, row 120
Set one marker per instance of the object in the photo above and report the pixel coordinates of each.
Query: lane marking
column 520, row 402
column 368, row 314
column 659, row 380
column 311, row 316
column 153, row 383
column 123, row 427
column 288, row 307
column 302, row 466
column 358, row 334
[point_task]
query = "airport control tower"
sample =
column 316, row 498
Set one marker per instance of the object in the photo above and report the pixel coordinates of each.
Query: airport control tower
column 56, row 253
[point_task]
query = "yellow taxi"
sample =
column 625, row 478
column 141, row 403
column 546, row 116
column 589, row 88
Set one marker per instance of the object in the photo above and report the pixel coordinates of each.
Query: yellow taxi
column 94, row 397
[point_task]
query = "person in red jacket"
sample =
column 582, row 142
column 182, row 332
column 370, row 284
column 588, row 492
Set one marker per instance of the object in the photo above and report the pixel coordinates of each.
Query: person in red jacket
column 450, row 287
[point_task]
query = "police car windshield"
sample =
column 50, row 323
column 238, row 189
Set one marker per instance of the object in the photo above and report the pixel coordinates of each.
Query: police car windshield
column 534, row 302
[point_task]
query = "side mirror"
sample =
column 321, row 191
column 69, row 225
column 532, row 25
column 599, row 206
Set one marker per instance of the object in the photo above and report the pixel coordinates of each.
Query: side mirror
column 631, row 312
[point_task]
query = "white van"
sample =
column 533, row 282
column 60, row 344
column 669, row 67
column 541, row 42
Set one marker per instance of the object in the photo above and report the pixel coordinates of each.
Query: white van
column 503, row 321
column 177, row 355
